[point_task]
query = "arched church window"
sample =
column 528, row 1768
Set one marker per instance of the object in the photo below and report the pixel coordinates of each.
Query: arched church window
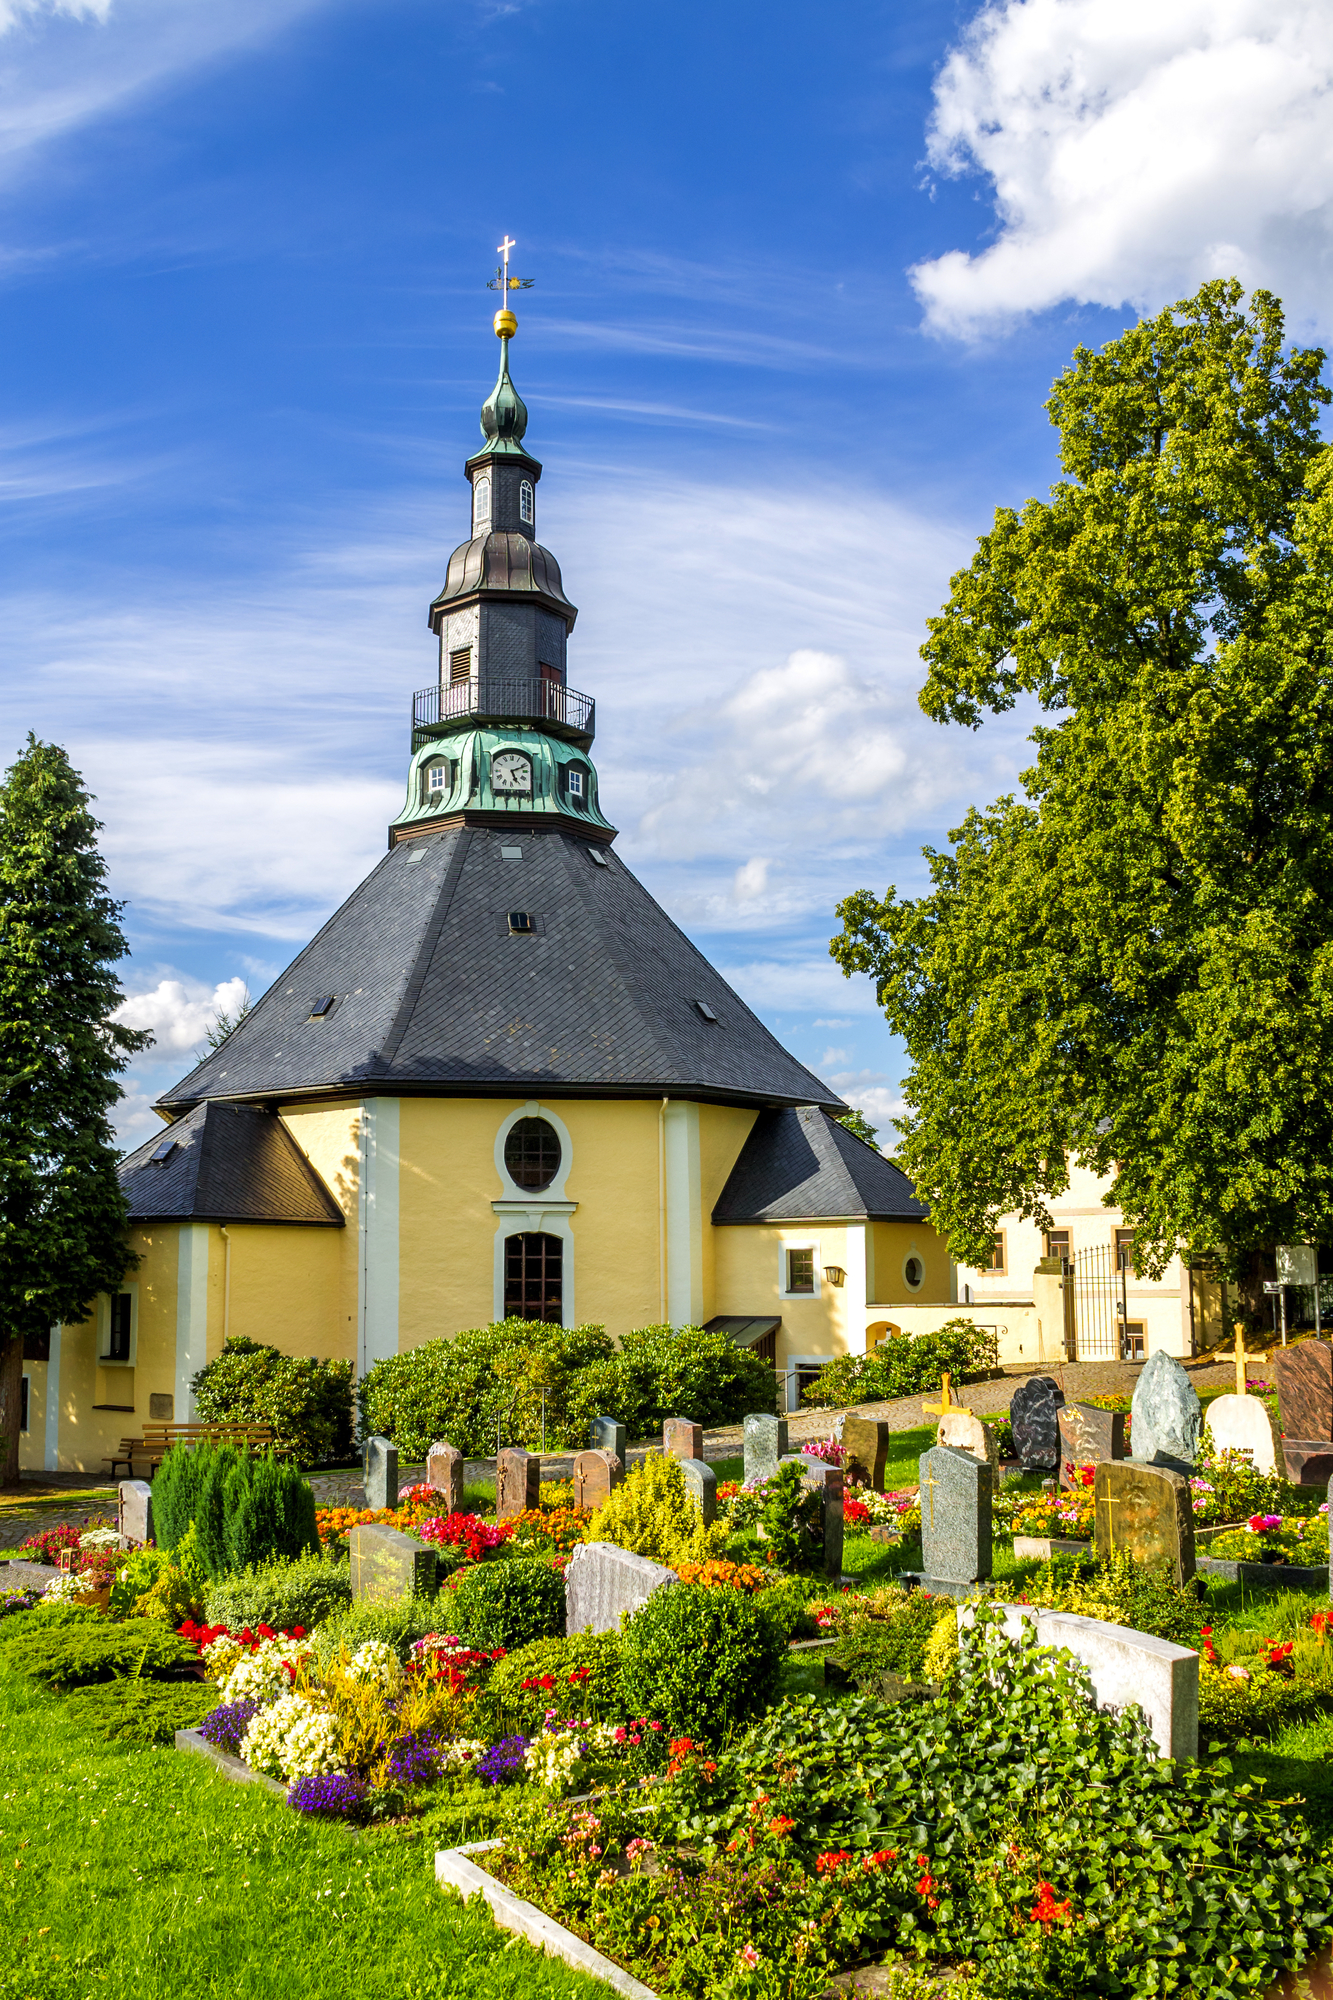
column 534, row 1275
column 525, row 502
column 481, row 504
column 532, row 1154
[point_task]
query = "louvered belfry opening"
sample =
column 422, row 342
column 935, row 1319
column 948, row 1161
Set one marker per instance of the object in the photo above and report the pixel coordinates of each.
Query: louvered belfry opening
column 534, row 1277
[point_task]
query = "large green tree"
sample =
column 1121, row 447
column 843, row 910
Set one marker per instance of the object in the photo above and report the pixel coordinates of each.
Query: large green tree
column 1132, row 964
column 62, row 1213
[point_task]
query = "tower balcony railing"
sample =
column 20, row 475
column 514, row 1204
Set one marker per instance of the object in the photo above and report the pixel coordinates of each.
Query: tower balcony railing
column 563, row 710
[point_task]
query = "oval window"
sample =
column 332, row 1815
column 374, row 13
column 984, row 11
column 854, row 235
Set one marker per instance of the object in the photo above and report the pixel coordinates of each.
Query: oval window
column 915, row 1273
column 532, row 1154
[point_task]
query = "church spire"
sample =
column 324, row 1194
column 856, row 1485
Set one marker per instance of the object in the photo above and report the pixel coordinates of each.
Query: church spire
column 504, row 414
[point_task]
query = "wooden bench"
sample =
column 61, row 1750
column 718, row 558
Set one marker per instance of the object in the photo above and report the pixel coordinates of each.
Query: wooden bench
column 159, row 1439
column 125, row 1456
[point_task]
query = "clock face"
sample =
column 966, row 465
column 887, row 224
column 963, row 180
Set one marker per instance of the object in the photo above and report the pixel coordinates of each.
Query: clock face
column 510, row 772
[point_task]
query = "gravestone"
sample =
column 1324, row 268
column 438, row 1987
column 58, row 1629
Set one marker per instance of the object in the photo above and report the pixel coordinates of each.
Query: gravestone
column 603, row 1582
column 596, row 1475
column 1242, row 1423
column 134, row 1511
column 1087, row 1436
column 683, row 1438
column 765, row 1442
column 1147, row 1510
column 1305, row 1389
column 1307, row 1464
column 701, row 1485
column 818, row 1476
column 967, row 1433
column 381, row 1473
column 607, row 1434
column 955, row 1519
column 865, row 1445
column 388, row 1566
column 518, row 1475
column 1034, row 1420
column 444, row 1472
column 1166, row 1415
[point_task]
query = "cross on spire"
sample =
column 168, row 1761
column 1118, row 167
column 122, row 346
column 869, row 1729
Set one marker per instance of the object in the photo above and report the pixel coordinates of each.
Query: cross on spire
column 502, row 282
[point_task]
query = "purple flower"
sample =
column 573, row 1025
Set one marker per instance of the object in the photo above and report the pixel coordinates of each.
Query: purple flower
column 503, row 1761
column 336, row 1795
column 225, row 1727
column 415, row 1758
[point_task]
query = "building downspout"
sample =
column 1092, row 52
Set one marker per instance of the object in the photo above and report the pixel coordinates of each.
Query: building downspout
column 226, row 1284
column 661, row 1213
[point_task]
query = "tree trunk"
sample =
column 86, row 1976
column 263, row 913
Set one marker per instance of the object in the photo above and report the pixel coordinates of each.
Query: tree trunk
column 11, row 1396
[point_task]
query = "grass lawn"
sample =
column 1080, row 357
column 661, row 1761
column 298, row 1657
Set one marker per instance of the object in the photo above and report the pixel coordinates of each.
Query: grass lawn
column 144, row 1872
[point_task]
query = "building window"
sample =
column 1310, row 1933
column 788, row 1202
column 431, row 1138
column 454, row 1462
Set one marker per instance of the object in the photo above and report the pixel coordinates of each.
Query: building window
column 118, row 1327
column 1056, row 1244
column 460, row 665
column 436, row 778
column 574, row 781
column 481, row 505
column 1133, row 1340
column 914, row 1273
column 800, row 1272
column 997, row 1262
column 1124, row 1249
column 525, row 502
column 534, row 1273
column 802, row 1375
column 23, row 1402
column 532, row 1154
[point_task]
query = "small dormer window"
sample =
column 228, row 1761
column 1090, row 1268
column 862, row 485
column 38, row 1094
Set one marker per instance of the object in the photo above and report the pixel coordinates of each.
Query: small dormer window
column 525, row 502
column 436, row 778
column 574, row 782
column 481, row 505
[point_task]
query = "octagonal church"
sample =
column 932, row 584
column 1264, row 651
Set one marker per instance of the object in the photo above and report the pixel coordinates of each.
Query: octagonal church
column 499, row 1081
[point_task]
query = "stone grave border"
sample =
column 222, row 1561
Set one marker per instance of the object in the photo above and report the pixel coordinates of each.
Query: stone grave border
column 1041, row 1548
column 454, row 1869
column 235, row 1768
column 1263, row 1576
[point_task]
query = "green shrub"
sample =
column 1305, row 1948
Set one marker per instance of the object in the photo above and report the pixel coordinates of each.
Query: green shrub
column 586, row 1677
column 700, row 1661
column 301, row 1590
column 1119, row 1590
column 71, row 1655
column 397, row 1624
column 1259, row 1706
column 140, row 1711
column 217, row 1464
column 176, row 1485
column 508, row 1603
column 871, row 1647
column 792, row 1516
column 270, row 1512
column 306, row 1403
column 654, row 1514
column 152, row 1584
column 661, row 1371
column 459, row 1388
column 905, row 1365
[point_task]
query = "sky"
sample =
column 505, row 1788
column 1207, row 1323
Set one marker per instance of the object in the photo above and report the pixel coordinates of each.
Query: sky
column 802, row 279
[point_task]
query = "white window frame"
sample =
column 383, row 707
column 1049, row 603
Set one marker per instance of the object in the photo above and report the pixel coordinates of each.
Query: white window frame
column 481, row 516
column 794, row 1361
column 104, row 1357
column 800, row 1243
column 910, row 1287
column 520, row 1211
column 526, row 503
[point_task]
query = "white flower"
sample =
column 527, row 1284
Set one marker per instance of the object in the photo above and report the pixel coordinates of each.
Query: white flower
column 292, row 1739
column 221, row 1655
column 64, row 1589
column 377, row 1663
column 267, row 1672
column 100, row 1538
column 456, row 1756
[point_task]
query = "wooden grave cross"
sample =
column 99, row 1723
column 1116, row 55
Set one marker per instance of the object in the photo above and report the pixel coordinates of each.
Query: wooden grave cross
column 946, row 1406
column 1241, row 1357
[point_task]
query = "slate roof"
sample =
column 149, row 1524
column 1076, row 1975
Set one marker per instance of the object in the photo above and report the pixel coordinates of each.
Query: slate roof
column 433, row 993
column 800, row 1165
column 228, row 1163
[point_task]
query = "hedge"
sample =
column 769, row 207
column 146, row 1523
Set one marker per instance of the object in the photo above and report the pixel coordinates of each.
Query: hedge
column 307, row 1403
column 905, row 1365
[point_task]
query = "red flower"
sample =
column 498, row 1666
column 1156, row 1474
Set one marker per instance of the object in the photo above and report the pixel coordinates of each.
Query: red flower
column 1046, row 1911
column 880, row 1859
column 829, row 1864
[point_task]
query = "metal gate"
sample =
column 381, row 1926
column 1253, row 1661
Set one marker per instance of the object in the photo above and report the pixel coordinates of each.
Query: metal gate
column 1097, row 1278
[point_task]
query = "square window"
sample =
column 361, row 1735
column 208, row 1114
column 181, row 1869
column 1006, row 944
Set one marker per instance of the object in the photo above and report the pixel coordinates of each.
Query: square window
column 1056, row 1244
column 801, row 1271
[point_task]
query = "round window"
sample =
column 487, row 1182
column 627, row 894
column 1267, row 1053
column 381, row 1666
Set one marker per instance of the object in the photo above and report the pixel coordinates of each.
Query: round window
column 915, row 1273
column 532, row 1153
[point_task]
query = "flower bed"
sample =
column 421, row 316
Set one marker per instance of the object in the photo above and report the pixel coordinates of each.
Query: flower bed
column 1300, row 1541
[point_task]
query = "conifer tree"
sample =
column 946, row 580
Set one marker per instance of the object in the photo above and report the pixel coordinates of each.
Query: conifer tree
column 62, row 1213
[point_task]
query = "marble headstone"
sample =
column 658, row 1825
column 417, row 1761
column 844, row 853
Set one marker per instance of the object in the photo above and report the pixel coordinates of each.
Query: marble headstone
column 518, row 1476
column 1147, row 1510
column 381, row 1473
column 388, row 1566
column 1305, row 1389
column 603, row 1582
column 444, row 1472
column 955, row 1518
column 1166, row 1415
column 608, row 1434
column 596, row 1475
column 765, row 1442
column 1242, row 1423
column 683, row 1438
column 135, row 1511
column 1034, row 1421
column 966, row 1432
column 1088, row 1435
column 701, row 1484
column 865, row 1444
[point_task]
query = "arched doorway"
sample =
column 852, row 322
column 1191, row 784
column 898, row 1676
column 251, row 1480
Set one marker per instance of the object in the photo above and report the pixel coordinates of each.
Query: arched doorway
column 534, row 1277
column 880, row 1329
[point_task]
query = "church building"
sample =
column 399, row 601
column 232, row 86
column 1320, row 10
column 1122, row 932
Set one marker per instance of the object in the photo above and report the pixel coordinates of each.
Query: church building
column 499, row 1081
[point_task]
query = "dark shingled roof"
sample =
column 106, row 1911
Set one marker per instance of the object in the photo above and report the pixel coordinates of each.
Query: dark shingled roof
column 802, row 1166
column 433, row 994
column 228, row 1163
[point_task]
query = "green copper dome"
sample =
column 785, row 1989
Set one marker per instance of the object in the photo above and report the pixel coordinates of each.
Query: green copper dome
column 504, row 414
column 517, row 769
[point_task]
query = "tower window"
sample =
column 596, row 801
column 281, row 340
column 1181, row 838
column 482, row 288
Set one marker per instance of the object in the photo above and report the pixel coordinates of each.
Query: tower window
column 574, row 781
column 437, row 777
column 481, row 504
column 460, row 665
column 532, row 1154
column 534, row 1276
column 525, row 502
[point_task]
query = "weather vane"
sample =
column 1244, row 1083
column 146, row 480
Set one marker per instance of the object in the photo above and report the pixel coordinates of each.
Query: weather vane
column 502, row 282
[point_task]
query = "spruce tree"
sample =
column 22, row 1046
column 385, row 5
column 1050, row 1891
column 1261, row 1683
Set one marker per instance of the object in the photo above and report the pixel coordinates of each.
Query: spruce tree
column 62, row 1213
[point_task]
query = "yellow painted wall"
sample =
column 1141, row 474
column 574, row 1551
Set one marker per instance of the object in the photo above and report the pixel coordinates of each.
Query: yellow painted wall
column 723, row 1130
column 749, row 1280
column 888, row 1246
column 288, row 1289
column 614, row 1180
column 328, row 1136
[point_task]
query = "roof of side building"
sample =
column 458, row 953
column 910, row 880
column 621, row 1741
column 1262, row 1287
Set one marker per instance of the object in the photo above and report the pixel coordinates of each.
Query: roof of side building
column 800, row 1165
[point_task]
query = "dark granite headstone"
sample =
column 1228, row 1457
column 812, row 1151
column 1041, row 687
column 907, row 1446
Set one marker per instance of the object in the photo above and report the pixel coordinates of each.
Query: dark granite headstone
column 1167, row 1415
column 683, row 1438
column 701, row 1484
column 517, row 1482
column 388, row 1566
column 596, row 1475
column 865, row 1444
column 832, row 1517
column 1087, row 1436
column 955, row 1517
column 1034, row 1421
column 1147, row 1510
column 1307, row 1462
column 135, row 1511
column 608, row 1434
column 1305, row 1389
column 381, row 1473
column 444, row 1472
column 765, row 1442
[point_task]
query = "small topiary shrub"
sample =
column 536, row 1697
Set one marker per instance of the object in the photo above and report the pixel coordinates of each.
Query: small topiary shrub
column 584, row 1679
column 398, row 1625
column 71, row 1655
column 461, row 1387
column 306, row 1403
column 700, row 1661
column 509, row 1603
column 654, row 1514
column 245, row 1508
column 305, row 1590
column 140, row 1711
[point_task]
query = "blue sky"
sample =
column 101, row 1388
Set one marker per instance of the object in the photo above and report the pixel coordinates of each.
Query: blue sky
column 803, row 277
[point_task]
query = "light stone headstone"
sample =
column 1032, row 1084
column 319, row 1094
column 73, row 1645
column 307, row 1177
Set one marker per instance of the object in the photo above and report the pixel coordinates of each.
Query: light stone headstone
column 388, row 1566
column 444, row 1472
column 596, row 1476
column 865, row 1444
column 1147, row 1510
column 966, row 1432
column 955, row 1518
column 1165, row 1415
column 1242, row 1423
column 608, row 1434
column 1087, row 1436
column 135, row 1511
column 603, row 1583
column 701, row 1484
column 764, row 1443
column 518, row 1476
column 683, row 1438
column 381, row 1473
column 1034, row 1420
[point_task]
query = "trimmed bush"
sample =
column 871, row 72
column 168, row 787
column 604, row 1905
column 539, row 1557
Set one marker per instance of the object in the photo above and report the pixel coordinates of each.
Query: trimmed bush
column 397, row 1624
column 585, row 1674
column 653, row 1513
column 904, row 1366
column 661, row 1371
column 460, row 1388
column 71, row 1655
column 305, row 1590
column 140, row 1711
column 246, row 1509
column 509, row 1603
column 176, row 1485
column 306, row 1403
column 701, row 1661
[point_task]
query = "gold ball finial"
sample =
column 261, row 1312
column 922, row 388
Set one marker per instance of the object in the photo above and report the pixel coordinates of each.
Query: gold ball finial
column 505, row 323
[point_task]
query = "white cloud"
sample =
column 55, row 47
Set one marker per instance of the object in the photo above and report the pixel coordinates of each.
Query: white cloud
column 1137, row 149
column 179, row 1012
column 870, row 1092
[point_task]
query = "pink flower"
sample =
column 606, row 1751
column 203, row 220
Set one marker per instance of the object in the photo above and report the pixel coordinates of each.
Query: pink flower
column 749, row 1956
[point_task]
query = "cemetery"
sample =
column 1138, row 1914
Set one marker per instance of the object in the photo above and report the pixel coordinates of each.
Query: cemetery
column 749, row 1726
